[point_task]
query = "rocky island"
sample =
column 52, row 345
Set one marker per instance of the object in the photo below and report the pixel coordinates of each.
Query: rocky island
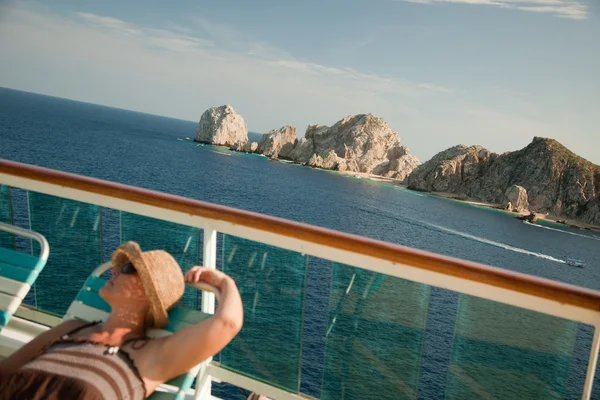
column 544, row 176
column 222, row 126
column 362, row 144
column 278, row 142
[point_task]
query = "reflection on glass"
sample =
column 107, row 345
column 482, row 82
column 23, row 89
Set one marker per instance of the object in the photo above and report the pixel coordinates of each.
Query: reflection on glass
column 506, row 352
column 375, row 336
column 272, row 283
column 181, row 241
column 73, row 232
column 6, row 239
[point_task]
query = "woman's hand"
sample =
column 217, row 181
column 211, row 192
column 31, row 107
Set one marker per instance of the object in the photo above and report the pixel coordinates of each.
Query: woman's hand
column 209, row 275
column 207, row 337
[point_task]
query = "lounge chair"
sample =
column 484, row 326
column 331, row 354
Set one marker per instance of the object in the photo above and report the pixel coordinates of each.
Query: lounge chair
column 18, row 272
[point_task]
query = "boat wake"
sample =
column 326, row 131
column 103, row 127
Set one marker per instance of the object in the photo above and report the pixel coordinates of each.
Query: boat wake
column 496, row 244
column 562, row 231
column 218, row 152
column 425, row 224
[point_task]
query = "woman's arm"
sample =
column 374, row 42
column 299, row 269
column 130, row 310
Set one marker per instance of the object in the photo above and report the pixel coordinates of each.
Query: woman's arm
column 34, row 347
column 187, row 348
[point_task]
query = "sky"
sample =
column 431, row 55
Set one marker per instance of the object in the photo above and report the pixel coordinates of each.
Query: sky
column 440, row 72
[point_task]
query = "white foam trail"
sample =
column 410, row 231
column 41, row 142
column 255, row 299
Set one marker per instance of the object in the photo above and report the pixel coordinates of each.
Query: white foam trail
column 218, row 152
column 497, row 244
column 476, row 238
column 413, row 192
column 561, row 231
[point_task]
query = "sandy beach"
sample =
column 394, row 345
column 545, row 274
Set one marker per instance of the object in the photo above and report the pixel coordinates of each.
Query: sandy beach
column 546, row 217
column 498, row 207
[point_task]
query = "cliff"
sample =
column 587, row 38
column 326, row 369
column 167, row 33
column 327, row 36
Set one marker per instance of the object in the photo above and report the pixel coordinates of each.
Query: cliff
column 358, row 143
column 222, row 126
column 278, row 142
column 557, row 180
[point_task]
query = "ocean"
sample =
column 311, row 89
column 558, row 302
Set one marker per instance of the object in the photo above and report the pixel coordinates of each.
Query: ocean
column 147, row 151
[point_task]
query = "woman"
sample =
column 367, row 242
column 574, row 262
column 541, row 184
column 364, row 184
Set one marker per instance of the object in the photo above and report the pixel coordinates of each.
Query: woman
column 115, row 359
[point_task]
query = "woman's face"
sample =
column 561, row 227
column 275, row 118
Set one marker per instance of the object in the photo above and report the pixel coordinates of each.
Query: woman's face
column 124, row 288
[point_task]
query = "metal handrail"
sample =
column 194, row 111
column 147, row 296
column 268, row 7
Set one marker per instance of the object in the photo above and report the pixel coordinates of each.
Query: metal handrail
column 106, row 193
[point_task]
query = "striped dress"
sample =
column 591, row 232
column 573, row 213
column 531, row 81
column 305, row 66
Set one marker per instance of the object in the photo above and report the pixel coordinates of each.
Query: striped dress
column 90, row 370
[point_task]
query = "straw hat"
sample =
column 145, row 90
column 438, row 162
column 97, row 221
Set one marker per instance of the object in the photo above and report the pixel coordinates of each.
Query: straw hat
column 161, row 277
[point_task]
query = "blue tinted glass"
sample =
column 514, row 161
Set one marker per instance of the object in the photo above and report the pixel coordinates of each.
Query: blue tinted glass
column 272, row 283
column 6, row 239
column 73, row 231
column 375, row 336
column 506, row 352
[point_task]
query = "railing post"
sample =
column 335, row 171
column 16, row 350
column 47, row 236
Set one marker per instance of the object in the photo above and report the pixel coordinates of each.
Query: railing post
column 591, row 371
column 210, row 261
column 203, row 380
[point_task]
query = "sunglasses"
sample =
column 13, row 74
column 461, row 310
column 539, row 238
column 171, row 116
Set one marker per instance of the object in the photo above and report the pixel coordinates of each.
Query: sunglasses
column 128, row 269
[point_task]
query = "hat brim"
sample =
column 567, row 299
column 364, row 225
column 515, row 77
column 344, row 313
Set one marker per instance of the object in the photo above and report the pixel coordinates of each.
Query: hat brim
column 131, row 252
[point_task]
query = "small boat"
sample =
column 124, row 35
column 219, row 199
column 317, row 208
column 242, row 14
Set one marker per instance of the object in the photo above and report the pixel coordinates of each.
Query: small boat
column 574, row 262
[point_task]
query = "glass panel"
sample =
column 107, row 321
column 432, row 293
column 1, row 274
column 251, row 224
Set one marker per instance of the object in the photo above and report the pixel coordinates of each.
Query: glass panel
column 73, row 232
column 181, row 241
column 272, row 283
column 6, row 239
column 316, row 315
column 375, row 336
column 505, row 352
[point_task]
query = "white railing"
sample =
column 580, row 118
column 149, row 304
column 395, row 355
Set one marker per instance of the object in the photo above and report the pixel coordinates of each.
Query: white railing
column 548, row 297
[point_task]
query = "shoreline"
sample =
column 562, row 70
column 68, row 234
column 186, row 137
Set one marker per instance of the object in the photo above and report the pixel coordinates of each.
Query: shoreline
column 554, row 220
column 364, row 175
column 559, row 221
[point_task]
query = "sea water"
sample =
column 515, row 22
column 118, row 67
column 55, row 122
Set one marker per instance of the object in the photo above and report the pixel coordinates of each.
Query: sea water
column 146, row 151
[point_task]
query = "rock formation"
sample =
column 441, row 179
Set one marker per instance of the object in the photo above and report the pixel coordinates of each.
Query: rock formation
column 302, row 151
column 516, row 199
column 278, row 142
column 401, row 168
column 245, row 147
column 452, row 171
column 556, row 180
column 222, row 126
column 358, row 143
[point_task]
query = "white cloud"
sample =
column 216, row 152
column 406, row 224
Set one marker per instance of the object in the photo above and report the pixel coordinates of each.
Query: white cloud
column 180, row 71
column 573, row 9
column 110, row 61
column 369, row 81
column 160, row 38
column 231, row 44
column 108, row 22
